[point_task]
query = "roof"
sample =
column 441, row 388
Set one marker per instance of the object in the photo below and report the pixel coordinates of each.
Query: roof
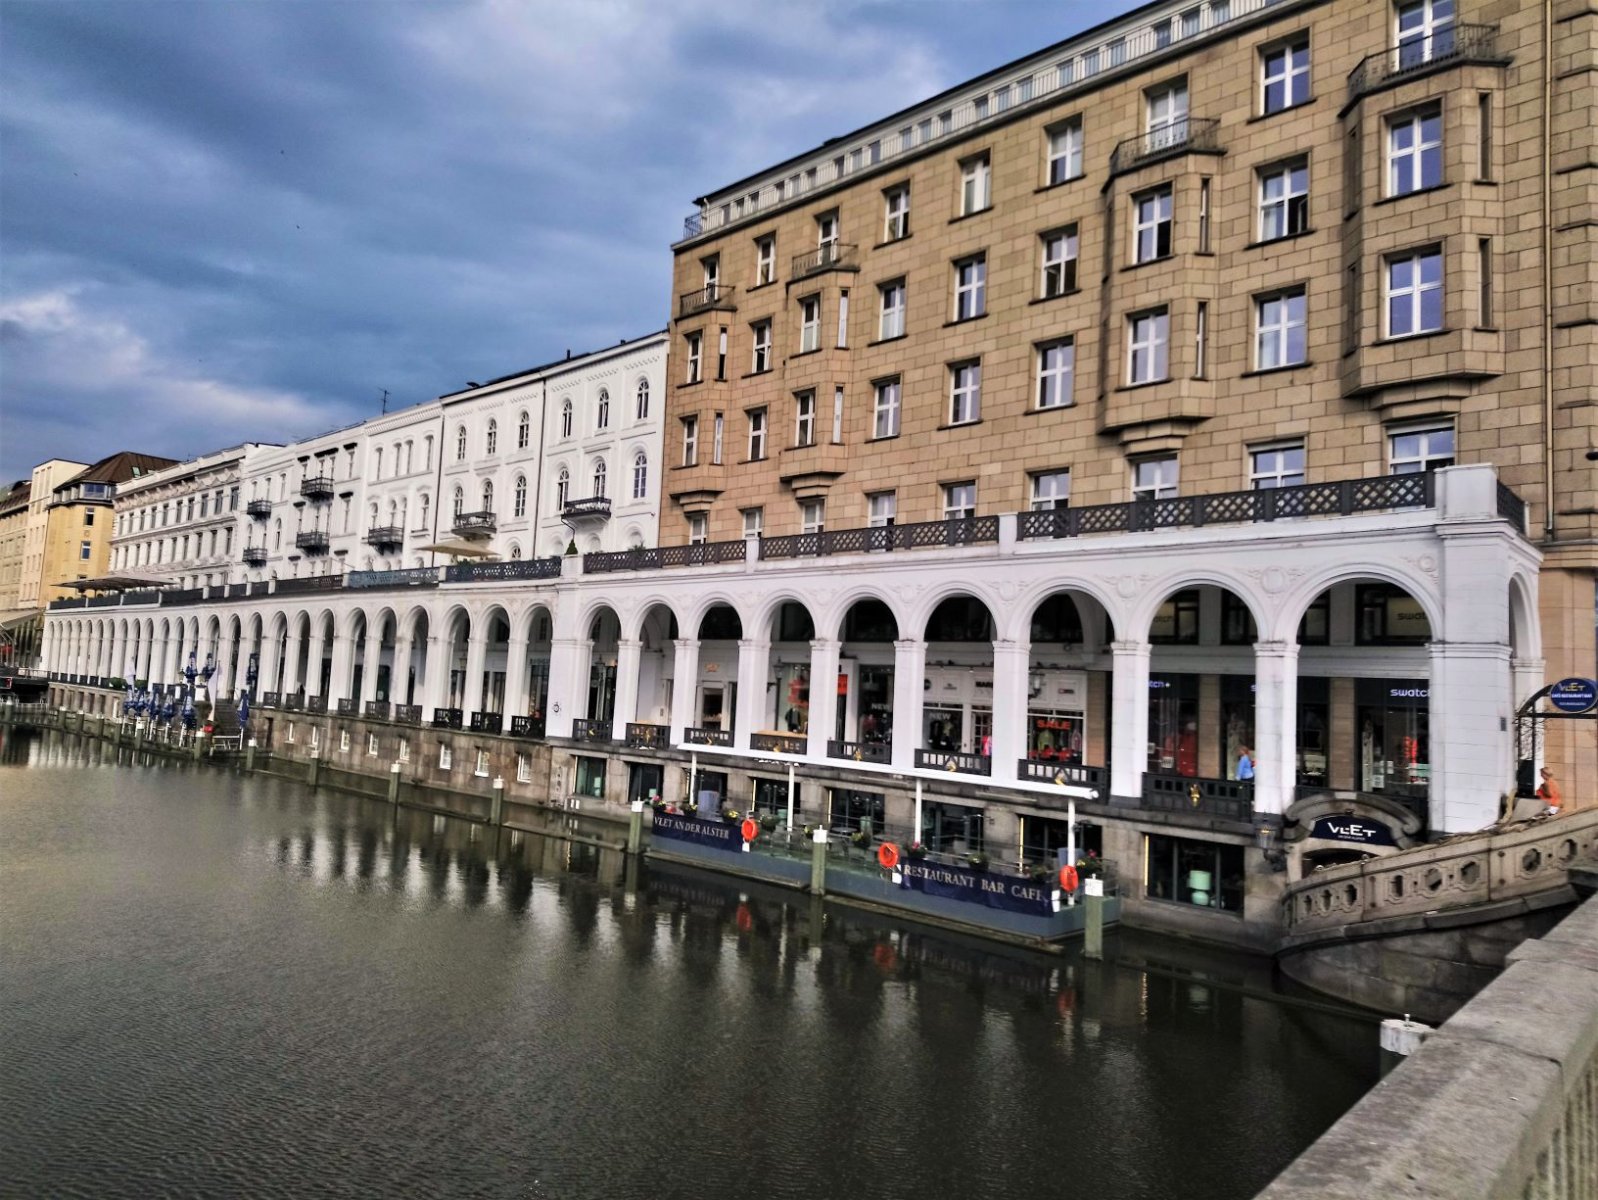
column 561, row 365
column 119, row 468
column 16, row 497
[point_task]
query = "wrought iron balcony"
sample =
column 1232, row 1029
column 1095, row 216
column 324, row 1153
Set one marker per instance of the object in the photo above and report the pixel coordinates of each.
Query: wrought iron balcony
column 1043, row 770
column 317, row 487
column 474, row 525
column 447, row 718
column 712, row 295
column 270, row 699
column 954, row 762
column 348, row 707
column 316, row 705
column 259, row 509
column 1189, row 135
column 871, row 752
column 487, row 722
column 1228, row 799
column 377, row 710
column 312, row 541
column 830, row 256
column 779, row 743
column 647, row 737
column 593, row 507
column 1449, row 45
column 707, row 737
column 527, row 727
column 255, row 556
column 408, row 714
column 584, row 730
column 385, row 535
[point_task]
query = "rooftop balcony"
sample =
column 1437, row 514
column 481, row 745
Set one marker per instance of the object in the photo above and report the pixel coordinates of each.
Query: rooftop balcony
column 1448, row 46
column 711, row 296
column 317, row 487
column 478, row 526
column 312, row 541
column 1190, row 135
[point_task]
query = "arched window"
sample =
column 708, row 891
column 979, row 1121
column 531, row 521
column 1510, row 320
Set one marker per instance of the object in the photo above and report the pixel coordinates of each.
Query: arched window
column 277, row 534
column 521, row 495
column 640, row 475
column 603, row 420
column 377, row 463
column 515, row 551
column 393, row 512
column 563, row 487
column 491, row 442
column 460, row 444
column 565, row 418
column 460, row 500
column 599, row 477
column 524, row 430
column 488, row 495
column 643, row 399
column 372, row 524
column 427, row 453
column 425, row 504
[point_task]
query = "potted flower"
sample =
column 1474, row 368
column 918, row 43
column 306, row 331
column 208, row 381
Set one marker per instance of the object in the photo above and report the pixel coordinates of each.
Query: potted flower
column 730, row 814
column 768, row 822
column 691, row 808
column 916, row 852
column 1090, row 866
column 860, row 838
column 978, row 861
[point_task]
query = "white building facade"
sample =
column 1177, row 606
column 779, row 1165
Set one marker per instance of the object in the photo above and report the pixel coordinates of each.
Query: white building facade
column 304, row 504
column 401, row 489
column 185, row 524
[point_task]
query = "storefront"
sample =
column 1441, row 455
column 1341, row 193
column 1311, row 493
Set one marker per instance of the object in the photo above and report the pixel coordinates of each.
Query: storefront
column 1314, row 722
column 1043, row 839
column 1056, row 717
column 645, row 781
column 848, row 809
column 708, row 789
column 1205, row 874
column 951, row 828
column 875, row 686
column 771, row 796
column 589, row 778
column 1237, row 721
column 1392, row 723
column 1173, row 725
column 793, row 698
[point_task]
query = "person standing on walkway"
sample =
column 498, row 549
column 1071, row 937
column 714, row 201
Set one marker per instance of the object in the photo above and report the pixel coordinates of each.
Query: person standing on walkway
column 1548, row 792
column 1245, row 765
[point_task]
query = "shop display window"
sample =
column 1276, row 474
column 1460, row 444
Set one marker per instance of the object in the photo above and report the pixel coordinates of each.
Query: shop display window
column 1205, row 874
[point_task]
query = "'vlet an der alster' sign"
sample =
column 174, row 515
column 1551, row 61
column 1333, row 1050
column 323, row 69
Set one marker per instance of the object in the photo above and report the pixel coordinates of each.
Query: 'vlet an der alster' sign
column 1352, row 829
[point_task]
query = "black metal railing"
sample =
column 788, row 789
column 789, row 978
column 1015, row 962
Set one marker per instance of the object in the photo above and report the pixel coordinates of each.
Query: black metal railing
column 376, row 710
column 182, row 595
column 1042, row 770
column 692, row 224
column 317, row 487
column 1511, row 507
column 255, row 556
column 270, row 699
column 584, row 730
column 712, row 295
column 447, row 718
column 312, row 541
column 961, row 531
column 871, row 752
column 293, row 702
column 1188, row 135
column 498, row 572
column 1448, row 45
column 102, row 601
column 647, row 737
column 385, row 535
column 1228, row 799
column 699, row 736
column 143, row 596
column 408, row 714
column 234, row 591
column 589, row 506
column 316, row 705
column 779, row 743
column 826, row 257
column 406, row 577
column 487, row 722
column 474, row 524
column 259, row 509
column 348, row 707
column 308, row 583
column 954, row 762
column 657, row 557
column 527, row 727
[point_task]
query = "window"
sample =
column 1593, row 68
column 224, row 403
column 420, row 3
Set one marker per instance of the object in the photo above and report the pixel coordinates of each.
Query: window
column 804, row 419
column 1166, row 109
column 1201, row 338
column 601, row 477
column 1484, row 283
column 1279, row 329
column 643, row 399
column 843, row 318
column 403, row 750
column 1411, row 451
column 965, row 393
column 711, row 267
column 827, row 236
column 1050, row 490
column 1284, row 200
column 891, row 324
column 698, row 529
column 1204, row 216
column 1415, row 293
column 1425, row 31
column 1415, row 150
column 519, row 497
column 809, row 324
column 459, row 501
column 690, row 441
column 371, row 745
column 524, row 768
column 885, row 409
column 488, row 496
column 896, row 213
column 881, row 509
column 761, row 361
column 1065, row 151
column 694, row 344
column 970, row 287
column 757, row 434
column 1284, row 75
column 460, row 444
column 88, row 516
column 563, row 487
column 446, row 757
column 1484, row 136
column 491, row 440
column 1151, row 225
column 344, row 739
column 1154, row 478
column 86, row 549
column 976, row 185
column 959, row 501
column 1276, row 466
column 480, row 769
column 565, row 418
column 640, row 475
column 1056, row 363
column 1188, row 871
column 524, row 430
column 1059, row 262
column 754, row 522
column 812, row 516
column 765, row 259
column 717, row 428
column 425, row 502
column 721, row 353
column 1147, row 346
column 602, row 415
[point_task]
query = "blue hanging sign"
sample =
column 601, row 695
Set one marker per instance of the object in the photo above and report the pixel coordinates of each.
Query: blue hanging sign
column 1574, row 695
column 1008, row 892
column 1358, row 830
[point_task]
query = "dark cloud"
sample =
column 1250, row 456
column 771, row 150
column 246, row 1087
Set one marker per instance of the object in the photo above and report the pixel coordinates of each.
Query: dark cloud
column 226, row 221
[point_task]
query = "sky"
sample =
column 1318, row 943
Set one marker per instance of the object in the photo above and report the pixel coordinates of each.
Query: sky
column 243, row 221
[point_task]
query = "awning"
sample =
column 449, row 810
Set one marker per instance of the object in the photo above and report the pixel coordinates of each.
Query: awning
column 16, row 618
column 459, row 550
column 120, row 582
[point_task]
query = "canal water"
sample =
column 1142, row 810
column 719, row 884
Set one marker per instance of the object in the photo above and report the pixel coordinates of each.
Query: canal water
column 218, row 985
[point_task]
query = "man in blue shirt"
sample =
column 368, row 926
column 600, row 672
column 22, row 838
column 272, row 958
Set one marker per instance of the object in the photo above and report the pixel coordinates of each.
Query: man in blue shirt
column 1245, row 765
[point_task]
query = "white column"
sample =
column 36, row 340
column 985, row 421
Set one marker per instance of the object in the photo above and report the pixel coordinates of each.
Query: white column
column 291, row 662
column 435, row 671
column 1469, row 734
column 371, row 660
column 174, row 658
column 1012, row 662
column 823, row 695
column 241, row 664
column 754, row 662
column 1275, row 725
column 629, row 652
column 313, row 662
column 909, row 674
column 476, row 657
column 224, row 682
column 146, row 653
column 568, row 684
column 399, row 673
column 1527, row 677
column 684, row 681
column 341, row 683
column 1129, row 749
column 271, row 661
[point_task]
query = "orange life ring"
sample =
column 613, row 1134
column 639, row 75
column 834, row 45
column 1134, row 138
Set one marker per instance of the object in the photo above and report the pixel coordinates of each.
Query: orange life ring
column 1068, row 879
column 888, row 856
column 749, row 829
